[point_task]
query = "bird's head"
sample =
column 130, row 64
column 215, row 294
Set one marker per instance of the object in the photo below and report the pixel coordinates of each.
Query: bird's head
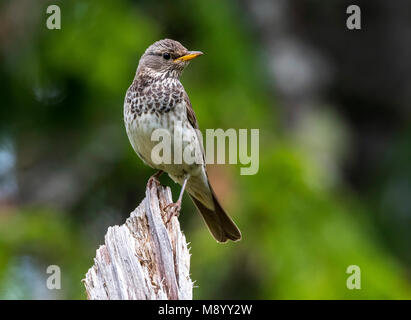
column 166, row 58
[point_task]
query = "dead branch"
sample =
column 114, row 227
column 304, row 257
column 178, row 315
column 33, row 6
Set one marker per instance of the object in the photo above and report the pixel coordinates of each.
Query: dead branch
column 145, row 258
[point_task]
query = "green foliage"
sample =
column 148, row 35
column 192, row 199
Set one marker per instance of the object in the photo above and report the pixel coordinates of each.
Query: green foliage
column 33, row 239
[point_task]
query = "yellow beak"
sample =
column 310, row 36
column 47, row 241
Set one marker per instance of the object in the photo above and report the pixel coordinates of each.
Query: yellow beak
column 189, row 56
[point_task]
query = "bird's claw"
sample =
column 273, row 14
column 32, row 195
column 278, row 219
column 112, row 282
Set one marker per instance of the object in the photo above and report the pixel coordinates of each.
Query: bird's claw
column 153, row 181
column 172, row 210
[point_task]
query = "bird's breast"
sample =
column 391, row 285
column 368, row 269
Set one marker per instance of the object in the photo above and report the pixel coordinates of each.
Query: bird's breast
column 156, row 117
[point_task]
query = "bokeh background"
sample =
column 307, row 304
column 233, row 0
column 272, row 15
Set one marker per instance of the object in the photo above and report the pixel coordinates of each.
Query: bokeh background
column 333, row 109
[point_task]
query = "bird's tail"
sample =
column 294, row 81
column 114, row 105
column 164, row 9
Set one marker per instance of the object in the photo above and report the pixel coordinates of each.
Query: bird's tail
column 218, row 222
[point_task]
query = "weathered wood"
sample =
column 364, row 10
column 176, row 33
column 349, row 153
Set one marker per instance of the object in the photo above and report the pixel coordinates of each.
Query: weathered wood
column 145, row 258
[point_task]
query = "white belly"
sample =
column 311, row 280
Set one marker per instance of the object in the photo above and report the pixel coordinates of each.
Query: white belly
column 178, row 139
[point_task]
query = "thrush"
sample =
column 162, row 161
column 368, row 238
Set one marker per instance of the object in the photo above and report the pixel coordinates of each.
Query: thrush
column 156, row 99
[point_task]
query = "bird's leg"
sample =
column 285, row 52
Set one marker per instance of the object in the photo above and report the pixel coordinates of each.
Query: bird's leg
column 173, row 209
column 154, row 179
column 180, row 197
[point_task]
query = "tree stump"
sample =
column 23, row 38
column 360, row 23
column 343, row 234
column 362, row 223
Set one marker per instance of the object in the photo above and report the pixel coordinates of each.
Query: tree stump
column 145, row 258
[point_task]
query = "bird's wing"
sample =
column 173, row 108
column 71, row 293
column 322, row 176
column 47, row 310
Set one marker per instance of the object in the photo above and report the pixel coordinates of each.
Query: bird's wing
column 191, row 116
column 218, row 222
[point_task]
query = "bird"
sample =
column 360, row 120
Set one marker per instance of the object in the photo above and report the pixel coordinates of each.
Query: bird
column 156, row 99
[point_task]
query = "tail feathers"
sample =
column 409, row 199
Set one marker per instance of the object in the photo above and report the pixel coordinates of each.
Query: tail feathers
column 218, row 222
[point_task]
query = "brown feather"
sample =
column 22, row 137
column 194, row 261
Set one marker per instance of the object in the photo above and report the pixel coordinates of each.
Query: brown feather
column 218, row 222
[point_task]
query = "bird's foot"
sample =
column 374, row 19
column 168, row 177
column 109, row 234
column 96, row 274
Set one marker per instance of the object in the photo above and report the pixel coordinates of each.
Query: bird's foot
column 153, row 180
column 172, row 210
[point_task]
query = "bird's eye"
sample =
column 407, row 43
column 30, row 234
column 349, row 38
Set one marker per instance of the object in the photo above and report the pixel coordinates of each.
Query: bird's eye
column 166, row 55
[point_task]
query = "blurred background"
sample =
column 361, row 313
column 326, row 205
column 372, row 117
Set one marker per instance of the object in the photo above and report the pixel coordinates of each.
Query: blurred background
column 333, row 109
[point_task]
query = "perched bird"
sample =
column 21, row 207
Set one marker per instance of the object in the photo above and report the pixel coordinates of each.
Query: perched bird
column 156, row 99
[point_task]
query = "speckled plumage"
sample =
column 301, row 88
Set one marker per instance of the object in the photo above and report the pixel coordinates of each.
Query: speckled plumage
column 156, row 99
column 155, row 96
